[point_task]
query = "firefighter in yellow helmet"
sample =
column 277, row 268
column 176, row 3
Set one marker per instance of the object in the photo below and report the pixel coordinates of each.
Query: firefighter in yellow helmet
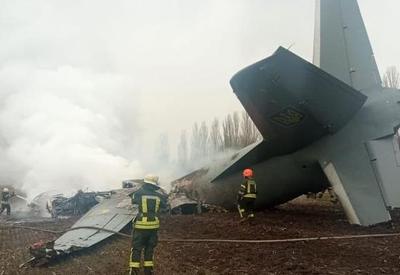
column 149, row 199
column 247, row 195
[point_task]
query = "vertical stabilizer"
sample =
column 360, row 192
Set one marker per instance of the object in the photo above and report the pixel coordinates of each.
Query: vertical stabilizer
column 342, row 47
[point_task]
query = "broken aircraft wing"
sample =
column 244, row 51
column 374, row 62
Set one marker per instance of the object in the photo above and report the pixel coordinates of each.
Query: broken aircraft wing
column 113, row 213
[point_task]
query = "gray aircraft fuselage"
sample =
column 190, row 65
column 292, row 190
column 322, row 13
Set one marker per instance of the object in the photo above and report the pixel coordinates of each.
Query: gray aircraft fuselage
column 326, row 125
column 283, row 178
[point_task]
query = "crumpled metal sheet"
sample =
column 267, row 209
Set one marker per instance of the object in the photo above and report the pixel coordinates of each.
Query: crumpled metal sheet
column 112, row 213
column 182, row 198
column 177, row 200
column 76, row 205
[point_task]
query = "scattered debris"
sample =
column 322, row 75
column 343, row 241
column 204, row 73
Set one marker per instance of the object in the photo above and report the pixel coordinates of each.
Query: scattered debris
column 181, row 204
column 131, row 183
column 77, row 205
column 41, row 252
column 214, row 208
column 112, row 214
column 183, row 198
column 107, row 214
column 59, row 205
column 320, row 195
column 300, row 221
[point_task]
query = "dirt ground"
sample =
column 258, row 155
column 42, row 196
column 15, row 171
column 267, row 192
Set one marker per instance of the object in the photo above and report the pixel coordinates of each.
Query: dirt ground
column 293, row 220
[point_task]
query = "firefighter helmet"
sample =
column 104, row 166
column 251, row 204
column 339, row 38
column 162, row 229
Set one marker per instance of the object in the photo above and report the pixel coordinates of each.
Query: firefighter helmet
column 248, row 173
column 5, row 190
column 151, row 179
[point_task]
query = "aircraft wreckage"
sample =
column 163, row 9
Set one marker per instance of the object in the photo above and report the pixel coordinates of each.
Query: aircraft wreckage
column 110, row 215
column 324, row 124
column 58, row 205
column 107, row 213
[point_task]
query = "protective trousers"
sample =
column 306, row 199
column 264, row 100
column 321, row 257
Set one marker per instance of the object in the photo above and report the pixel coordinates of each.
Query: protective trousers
column 5, row 206
column 246, row 207
column 143, row 239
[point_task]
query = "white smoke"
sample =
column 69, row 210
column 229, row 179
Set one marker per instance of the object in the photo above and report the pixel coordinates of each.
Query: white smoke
column 86, row 87
column 67, row 128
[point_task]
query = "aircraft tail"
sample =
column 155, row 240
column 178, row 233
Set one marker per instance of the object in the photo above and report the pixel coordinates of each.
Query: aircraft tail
column 292, row 103
column 342, row 47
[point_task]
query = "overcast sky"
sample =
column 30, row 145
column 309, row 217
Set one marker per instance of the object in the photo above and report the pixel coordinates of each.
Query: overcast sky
column 119, row 73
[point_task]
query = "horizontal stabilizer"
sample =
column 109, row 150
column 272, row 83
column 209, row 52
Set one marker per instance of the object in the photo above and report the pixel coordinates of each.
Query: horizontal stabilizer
column 249, row 156
column 384, row 155
column 292, row 102
column 353, row 180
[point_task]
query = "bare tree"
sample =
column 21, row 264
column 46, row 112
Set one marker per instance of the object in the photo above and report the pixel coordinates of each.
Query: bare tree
column 231, row 131
column 391, row 78
column 215, row 137
column 248, row 131
column 183, row 150
column 227, row 132
column 195, row 151
column 162, row 148
column 203, row 140
column 236, row 130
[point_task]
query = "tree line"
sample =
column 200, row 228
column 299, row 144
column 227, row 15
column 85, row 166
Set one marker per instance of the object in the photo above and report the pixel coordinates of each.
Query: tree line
column 205, row 141
column 233, row 132
column 391, row 78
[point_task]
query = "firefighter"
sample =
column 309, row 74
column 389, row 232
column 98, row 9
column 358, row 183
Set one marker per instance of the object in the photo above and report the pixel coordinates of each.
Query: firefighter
column 247, row 195
column 145, row 227
column 5, row 201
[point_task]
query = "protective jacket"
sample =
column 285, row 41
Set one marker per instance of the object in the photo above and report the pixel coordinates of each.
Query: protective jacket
column 5, row 197
column 144, row 236
column 248, row 189
column 150, row 200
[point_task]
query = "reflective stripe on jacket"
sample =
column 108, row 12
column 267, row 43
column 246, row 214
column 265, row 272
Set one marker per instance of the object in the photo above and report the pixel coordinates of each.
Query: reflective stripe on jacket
column 248, row 189
column 149, row 202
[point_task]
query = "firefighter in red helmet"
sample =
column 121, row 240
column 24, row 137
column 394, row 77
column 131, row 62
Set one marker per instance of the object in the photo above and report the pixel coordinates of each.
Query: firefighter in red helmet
column 247, row 195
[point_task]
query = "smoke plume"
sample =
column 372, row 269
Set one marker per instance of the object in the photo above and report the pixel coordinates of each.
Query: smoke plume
column 67, row 128
column 87, row 87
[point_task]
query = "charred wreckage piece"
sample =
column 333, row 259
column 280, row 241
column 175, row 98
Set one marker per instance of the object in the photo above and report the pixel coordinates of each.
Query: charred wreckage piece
column 59, row 205
column 185, row 198
column 77, row 205
column 106, row 218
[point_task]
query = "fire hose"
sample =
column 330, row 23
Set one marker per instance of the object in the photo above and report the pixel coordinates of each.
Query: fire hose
column 308, row 239
column 64, row 231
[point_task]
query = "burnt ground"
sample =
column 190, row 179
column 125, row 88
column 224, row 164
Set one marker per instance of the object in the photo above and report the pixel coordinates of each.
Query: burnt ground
column 355, row 256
